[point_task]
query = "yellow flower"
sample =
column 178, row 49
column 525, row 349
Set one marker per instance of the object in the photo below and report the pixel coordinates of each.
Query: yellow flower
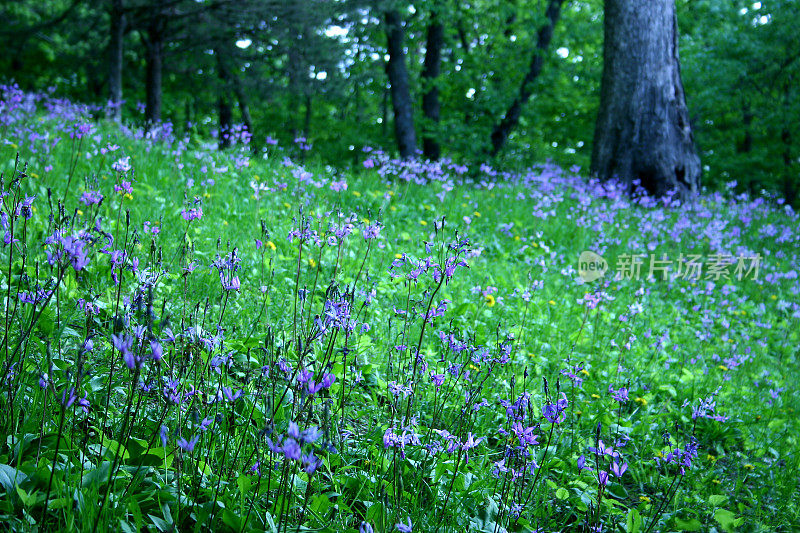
column 551, row 302
column 595, row 396
column 271, row 245
column 287, row 205
column 477, row 214
column 356, row 194
column 641, row 401
column 749, row 466
column 774, row 297
column 80, row 212
column 398, row 256
column 393, row 207
column 224, row 222
column 365, row 220
column 516, row 237
column 584, row 372
column 206, row 195
column 710, row 457
column 715, row 481
column 423, row 223
column 129, row 196
column 723, row 367
column 33, row 175
column 644, row 499
column 473, row 367
column 490, row 301
column 13, row 146
column 312, row 263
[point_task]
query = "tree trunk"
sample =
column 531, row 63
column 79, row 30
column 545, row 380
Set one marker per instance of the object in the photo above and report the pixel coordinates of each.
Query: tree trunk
column 398, row 81
column 224, row 104
column 746, row 146
column 503, row 129
column 154, row 48
column 244, row 105
column 115, row 49
column 430, row 99
column 309, row 114
column 643, row 132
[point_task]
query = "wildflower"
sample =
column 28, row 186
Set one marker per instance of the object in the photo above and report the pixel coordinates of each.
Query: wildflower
column 271, row 245
column 291, row 449
column 163, row 434
column 404, row 528
column 156, row 351
column 618, row 470
column 310, row 463
column 122, row 165
column 123, row 343
column 188, row 446
column 554, row 412
column 230, row 395
column 365, row 528
column 490, row 301
column 24, row 208
column 641, row 401
column 91, row 198
column 68, row 397
column 310, row 435
column 124, row 188
column 194, row 213
column 620, row 395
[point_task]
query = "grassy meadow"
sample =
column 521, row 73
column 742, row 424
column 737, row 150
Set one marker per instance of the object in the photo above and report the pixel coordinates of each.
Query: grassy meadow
column 196, row 340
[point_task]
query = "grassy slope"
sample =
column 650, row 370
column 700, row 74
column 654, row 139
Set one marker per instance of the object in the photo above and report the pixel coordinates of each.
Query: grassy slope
column 738, row 336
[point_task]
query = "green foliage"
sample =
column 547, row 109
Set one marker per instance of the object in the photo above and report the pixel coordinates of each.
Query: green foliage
column 669, row 343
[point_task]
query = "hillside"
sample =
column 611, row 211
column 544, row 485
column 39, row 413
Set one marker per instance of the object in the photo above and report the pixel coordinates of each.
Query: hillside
column 242, row 342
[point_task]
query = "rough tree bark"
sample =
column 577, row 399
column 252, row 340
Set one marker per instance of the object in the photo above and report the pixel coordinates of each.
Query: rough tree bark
column 434, row 42
column 643, row 131
column 398, row 81
column 115, row 49
column 503, row 129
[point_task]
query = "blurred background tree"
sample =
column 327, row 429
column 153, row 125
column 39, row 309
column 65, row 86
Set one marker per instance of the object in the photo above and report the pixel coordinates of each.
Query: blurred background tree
column 512, row 82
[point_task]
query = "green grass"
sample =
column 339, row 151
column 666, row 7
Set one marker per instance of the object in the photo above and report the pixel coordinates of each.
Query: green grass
column 734, row 339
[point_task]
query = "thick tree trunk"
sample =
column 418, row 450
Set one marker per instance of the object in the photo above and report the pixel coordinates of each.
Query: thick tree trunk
column 154, row 49
column 430, row 99
column 115, row 49
column 643, row 132
column 503, row 129
column 398, row 81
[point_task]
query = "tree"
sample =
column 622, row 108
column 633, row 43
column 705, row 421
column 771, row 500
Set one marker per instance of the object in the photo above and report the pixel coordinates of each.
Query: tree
column 434, row 41
column 510, row 119
column 642, row 131
column 398, row 80
column 115, row 50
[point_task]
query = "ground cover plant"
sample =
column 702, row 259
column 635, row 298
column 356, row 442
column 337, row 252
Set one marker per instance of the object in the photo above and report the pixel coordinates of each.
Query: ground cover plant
column 228, row 341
